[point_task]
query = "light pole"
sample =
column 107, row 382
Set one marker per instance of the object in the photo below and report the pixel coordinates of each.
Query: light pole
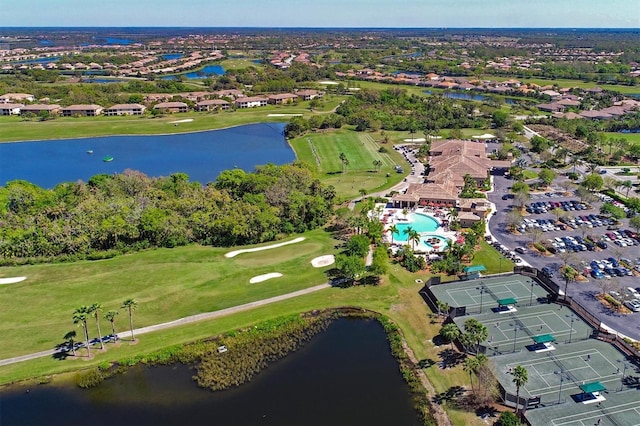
column 500, row 265
column 515, row 337
column 571, row 328
column 481, row 293
column 624, row 372
column 531, row 296
column 561, row 373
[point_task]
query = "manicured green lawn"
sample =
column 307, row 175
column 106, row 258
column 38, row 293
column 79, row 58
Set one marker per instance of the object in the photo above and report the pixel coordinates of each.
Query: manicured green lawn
column 167, row 283
column 14, row 129
column 361, row 150
column 569, row 83
column 529, row 174
column 630, row 137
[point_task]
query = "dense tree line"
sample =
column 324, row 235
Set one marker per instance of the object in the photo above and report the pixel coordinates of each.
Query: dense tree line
column 394, row 109
column 129, row 211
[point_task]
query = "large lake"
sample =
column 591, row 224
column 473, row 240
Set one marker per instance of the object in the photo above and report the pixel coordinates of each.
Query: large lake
column 343, row 376
column 201, row 155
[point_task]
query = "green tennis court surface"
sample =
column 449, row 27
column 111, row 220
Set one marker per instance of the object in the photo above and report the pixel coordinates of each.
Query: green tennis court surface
column 486, row 292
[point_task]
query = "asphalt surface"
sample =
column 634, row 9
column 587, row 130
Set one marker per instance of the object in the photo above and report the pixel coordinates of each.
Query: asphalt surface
column 583, row 292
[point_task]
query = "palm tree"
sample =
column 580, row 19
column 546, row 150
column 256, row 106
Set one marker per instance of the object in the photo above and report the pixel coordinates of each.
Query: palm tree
column 568, row 274
column 111, row 317
column 393, row 229
column 470, row 365
column 344, row 160
column 414, row 237
column 443, row 308
column 377, row 164
column 70, row 339
column 80, row 316
column 450, row 332
column 95, row 310
column 130, row 305
column 628, row 185
column 520, row 378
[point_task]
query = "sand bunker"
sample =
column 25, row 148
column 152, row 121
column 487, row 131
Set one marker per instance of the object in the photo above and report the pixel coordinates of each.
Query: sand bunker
column 186, row 120
column 328, row 82
column 484, row 136
column 265, row 277
column 237, row 252
column 12, row 280
column 322, row 261
column 284, row 115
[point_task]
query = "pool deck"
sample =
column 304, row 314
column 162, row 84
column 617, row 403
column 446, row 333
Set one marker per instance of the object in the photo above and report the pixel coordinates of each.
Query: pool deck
column 394, row 216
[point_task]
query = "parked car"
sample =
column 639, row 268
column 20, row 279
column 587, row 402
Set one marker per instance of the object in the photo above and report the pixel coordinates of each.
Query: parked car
column 547, row 271
column 521, row 250
column 633, row 305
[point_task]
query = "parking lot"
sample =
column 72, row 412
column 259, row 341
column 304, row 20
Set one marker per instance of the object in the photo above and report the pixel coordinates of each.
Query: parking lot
column 578, row 235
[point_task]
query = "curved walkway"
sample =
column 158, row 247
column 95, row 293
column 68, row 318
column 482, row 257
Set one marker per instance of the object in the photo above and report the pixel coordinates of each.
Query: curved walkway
column 182, row 321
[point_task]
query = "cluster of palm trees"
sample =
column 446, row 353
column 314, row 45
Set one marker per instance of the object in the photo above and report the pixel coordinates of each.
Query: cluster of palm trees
column 83, row 314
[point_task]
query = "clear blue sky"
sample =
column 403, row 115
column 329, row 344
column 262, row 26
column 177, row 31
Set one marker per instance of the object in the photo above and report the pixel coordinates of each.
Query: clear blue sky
column 323, row 13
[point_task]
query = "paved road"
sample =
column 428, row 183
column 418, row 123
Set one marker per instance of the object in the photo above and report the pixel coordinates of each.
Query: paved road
column 182, row 321
column 628, row 325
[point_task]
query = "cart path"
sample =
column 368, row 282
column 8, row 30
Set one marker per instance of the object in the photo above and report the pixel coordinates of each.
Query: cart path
column 183, row 321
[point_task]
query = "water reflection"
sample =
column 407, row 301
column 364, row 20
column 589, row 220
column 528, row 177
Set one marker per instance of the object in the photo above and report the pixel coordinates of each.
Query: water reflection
column 344, row 376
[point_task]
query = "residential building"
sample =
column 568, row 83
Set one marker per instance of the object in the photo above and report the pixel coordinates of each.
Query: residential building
column 125, row 109
column 251, row 102
column 16, row 97
column 81, row 110
column 38, row 108
column 172, row 107
column 10, row 109
column 212, row 104
column 307, row 95
column 282, row 98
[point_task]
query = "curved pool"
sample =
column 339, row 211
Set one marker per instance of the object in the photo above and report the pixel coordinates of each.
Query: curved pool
column 418, row 222
column 437, row 242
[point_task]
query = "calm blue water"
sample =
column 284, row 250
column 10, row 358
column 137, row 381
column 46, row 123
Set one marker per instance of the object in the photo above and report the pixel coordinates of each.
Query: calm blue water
column 469, row 97
column 112, row 40
column 171, row 56
column 204, row 72
column 37, row 61
column 417, row 222
column 432, row 241
column 201, row 155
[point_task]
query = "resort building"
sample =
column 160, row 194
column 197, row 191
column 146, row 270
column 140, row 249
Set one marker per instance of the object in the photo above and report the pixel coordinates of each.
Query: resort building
column 212, row 104
column 16, row 97
column 172, row 107
column 36, row 109
column 10, row 109
column 282, row 98
column 125, row 109
column 450, row 162
column 81, row 110
column 251, row 102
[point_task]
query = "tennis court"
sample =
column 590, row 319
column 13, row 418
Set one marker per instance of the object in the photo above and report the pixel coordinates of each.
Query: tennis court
column 513, row 331
column 478, row 295
column 556, row 376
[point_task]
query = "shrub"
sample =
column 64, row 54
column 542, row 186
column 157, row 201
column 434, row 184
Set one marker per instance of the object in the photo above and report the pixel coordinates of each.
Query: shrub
column 507, row 418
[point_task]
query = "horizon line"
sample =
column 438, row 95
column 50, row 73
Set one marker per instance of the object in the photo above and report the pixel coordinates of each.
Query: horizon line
column 326, row 27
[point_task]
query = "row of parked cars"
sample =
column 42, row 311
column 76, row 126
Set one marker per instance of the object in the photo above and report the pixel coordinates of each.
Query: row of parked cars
column 623, row 238
column 609, row 267
column 607, row 199
column 588, row 220
column 506, row 252
column 571, row 243
column 630, row 297
column 540, row 207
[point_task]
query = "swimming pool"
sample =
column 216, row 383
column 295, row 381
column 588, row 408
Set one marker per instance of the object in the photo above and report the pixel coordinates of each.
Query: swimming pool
column 437, row 242
column 418, row 222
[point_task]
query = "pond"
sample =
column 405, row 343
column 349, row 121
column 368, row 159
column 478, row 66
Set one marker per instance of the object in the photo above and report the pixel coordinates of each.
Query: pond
column 201, row 155
column 204, row 72
column 172, row 56
column 343, row 376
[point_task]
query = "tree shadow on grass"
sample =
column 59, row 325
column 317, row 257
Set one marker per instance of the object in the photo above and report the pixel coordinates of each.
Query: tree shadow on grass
column 451, row 396
column 426, row 363
column 450, row 358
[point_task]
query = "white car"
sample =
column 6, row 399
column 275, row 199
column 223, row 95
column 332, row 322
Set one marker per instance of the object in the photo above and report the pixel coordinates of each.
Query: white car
column 634, row 305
